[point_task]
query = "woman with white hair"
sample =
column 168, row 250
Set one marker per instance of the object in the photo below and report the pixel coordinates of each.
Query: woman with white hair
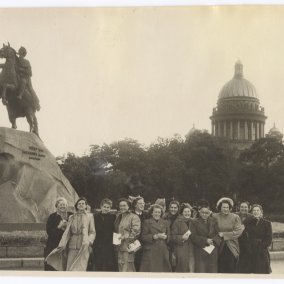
column 230, row 228
column 259, row 237
column 55, row 227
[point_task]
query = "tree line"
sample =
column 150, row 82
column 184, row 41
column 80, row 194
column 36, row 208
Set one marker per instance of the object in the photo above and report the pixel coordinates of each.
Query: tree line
column 198, row 167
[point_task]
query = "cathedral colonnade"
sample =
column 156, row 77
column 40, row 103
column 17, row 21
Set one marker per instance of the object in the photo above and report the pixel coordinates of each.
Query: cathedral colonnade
column 238, row 129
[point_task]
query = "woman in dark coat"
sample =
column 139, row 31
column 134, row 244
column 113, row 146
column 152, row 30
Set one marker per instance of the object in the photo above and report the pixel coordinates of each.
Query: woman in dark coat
column 260, row 237
column 181, row 241
column 155, row 235
column 171, row 215
column 103, row 251
column 205, row 233
column 55, row 227
column 244, row 257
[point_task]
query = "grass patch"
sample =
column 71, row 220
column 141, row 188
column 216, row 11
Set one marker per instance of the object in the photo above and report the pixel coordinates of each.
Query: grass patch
column 23, row 238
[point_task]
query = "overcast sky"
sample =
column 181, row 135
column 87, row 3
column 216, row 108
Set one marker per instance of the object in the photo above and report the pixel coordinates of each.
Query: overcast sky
column 103, row 74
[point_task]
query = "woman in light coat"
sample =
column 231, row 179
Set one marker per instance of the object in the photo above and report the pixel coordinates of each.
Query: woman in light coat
column 128, row 225
column 230, row 229
column 73, row 251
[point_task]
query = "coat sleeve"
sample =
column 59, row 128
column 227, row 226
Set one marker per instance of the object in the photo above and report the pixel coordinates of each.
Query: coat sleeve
column 176, row 238
column 51, row 225
column 135, row 227
column 92, row 229
column 146, row 236
column 237, row 230
column 216, row 238
column 198, row 240
column 66, row 235
column 267, row 238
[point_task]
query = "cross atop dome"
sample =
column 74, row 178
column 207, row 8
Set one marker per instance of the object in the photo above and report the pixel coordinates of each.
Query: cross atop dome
column 238, row 69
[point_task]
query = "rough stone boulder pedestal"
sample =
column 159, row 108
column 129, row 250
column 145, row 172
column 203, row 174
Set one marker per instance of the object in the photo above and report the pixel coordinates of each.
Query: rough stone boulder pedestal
column 30, row 179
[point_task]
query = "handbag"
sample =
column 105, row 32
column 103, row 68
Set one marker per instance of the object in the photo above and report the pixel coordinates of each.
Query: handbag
column 134, row 246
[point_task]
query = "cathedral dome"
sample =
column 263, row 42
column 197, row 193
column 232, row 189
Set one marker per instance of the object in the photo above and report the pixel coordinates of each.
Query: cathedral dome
column 238, row 86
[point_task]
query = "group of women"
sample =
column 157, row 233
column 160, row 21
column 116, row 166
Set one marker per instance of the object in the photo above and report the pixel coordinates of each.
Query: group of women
column 172, row 241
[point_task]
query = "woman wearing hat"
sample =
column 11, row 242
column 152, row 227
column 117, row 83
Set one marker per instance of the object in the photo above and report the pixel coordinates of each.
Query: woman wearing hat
column 260, row 237
column 230, row 228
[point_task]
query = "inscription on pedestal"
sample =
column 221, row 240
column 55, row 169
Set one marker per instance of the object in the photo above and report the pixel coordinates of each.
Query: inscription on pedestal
column 34, row 153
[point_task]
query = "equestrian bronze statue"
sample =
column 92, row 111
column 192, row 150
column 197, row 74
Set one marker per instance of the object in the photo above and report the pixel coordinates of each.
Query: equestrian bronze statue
column 16, row 88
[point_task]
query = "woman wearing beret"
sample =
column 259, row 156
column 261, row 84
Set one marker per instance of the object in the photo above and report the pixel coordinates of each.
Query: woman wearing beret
column 230, row 228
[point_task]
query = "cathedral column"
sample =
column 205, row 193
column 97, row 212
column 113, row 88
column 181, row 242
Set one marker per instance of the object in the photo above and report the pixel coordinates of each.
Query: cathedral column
column 257, row 131
column 246, row 130
column 212, row 129
column 238, row 130
column 262, row 127
column 252, row 132
column 225, row 129
column 219, row 129
column 231, row 129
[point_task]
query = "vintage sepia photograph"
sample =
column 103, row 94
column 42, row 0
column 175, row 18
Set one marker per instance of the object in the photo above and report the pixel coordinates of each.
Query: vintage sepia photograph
column 142, row 140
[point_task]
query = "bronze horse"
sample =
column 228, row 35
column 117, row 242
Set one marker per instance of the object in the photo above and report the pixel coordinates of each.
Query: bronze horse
column 9, row 80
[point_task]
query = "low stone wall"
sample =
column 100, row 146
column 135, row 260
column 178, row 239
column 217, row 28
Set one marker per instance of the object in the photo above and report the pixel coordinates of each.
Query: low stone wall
column 22, row 263
column 21, row 251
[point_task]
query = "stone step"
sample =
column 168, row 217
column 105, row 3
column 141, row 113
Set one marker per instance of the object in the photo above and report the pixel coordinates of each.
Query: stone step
column 22, row 263
column 37, row 263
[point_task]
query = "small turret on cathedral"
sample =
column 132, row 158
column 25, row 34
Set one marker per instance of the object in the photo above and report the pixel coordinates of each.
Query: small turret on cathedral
column 238, row 115
column 274, row 132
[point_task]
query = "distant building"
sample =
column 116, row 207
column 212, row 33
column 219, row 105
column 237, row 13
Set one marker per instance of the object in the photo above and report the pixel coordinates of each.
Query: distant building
column 275, row 133
column 238, row 115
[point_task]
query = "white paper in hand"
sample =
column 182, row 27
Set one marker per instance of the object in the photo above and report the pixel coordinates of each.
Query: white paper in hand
column 209, row 249
column 116, row 240
column 187, row 233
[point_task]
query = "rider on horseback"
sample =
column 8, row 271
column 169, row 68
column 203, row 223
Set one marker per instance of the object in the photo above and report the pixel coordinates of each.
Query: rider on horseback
column 25, row 73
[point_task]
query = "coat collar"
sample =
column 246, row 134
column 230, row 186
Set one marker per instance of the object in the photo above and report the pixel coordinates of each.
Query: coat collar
column 159, row 225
